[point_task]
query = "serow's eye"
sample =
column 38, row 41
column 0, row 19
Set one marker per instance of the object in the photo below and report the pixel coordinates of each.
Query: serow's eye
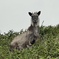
column 34, row 17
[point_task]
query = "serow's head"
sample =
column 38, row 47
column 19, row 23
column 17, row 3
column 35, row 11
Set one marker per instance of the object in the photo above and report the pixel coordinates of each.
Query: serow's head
column 34, row 17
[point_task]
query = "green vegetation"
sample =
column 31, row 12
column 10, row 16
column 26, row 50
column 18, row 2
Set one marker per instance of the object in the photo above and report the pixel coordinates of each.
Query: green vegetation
column 47, row 47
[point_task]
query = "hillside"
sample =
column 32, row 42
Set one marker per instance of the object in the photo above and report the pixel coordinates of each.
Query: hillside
column 47, row 47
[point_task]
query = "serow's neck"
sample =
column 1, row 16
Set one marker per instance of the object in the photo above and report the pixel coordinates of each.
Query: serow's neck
column 34, row 30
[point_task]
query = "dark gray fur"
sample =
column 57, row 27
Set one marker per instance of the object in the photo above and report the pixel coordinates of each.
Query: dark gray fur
column 29, row 37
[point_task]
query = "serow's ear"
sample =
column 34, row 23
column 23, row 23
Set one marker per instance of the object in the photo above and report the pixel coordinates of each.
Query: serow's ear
column 30, row 13
column 39, row 13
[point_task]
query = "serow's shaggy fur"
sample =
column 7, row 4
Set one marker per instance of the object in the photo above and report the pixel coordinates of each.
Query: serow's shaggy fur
column 29, row 37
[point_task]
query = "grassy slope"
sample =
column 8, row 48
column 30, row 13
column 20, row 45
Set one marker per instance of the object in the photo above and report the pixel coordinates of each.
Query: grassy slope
column 46, row 48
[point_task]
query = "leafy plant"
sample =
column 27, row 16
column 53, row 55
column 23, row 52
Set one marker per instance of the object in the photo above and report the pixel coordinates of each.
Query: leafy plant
column 47, row 46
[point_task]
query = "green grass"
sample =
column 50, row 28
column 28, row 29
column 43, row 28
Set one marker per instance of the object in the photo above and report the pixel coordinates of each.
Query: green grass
column 47, row 47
